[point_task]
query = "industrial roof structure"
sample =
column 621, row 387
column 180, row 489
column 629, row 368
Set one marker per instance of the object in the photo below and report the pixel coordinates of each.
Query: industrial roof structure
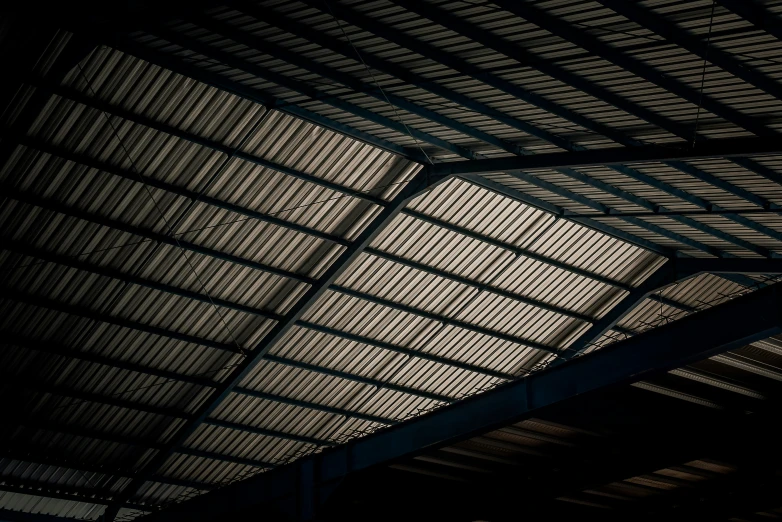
column 303, row 259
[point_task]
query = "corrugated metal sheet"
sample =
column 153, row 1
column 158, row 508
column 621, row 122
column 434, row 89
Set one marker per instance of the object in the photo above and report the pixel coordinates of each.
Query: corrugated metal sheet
column 156, row 228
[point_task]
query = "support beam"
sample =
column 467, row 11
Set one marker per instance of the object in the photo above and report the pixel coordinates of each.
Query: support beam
column 723, row 148
column 415, row 186
column 556, row 210
column 7, row 515
column 57, row 206
column 607, row 211
column 672, row 34
column 220, row 82
column 593, row 45
column 723, row 327
column 754, row 12
column 687, row 267
column 661, row 277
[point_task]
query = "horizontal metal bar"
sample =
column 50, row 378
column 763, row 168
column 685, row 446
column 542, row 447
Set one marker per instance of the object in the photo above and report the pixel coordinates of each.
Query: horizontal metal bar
column 103, row 106
column 662, row 231
column 659, row 209
column 662, row 212
column 313, row 406
column 420, row 354
column 235, row 426
column 365, row 380
column 722, row 148
column 8, row 515
column 480, row 286
column 558, row 211
column 723, row 327
column 56, row 206
column 60, row 492
column 51, row 347
column 515, row 249
column 107, row 168
column 42, row 456
column 193, row 452
column 443, row 319
column 105, row 271
column 81, row 396
column 728, row 266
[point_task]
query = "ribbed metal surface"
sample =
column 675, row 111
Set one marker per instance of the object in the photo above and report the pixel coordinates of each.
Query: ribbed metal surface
column 156, row 228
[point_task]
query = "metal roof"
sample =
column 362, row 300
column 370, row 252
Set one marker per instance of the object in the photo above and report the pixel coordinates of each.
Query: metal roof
column 214, row 263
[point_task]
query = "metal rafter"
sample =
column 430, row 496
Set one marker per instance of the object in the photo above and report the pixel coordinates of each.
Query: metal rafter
column 302, row 88
column 178, row 66
column 732, row 324
column 659, row 230
column 754, row 12
column 562, row 29
column 22, row 248
column 433, row 53
column 525, row 57
column 657, row 24
column 128, row 115
column 418, row 183
column 722, row 148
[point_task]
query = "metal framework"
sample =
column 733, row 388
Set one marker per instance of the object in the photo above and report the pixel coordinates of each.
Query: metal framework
column 664, row 348
column 731, row 324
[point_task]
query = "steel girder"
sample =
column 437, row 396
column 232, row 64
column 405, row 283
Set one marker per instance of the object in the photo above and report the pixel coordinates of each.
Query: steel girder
column 418, row 183
column 723, row 327
column 722, row 148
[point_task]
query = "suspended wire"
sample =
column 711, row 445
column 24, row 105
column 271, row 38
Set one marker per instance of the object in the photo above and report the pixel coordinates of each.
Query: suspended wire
column 217, row 225
column 169, row 226
column 703, row 75
column 377, row 84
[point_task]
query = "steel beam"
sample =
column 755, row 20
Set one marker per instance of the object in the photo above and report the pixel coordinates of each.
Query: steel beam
column 231, row 60
column 178, row 66
column 754, row 12
column 693, row 266
column 58, row 491
column 722, row 148
column 8, row 515
column 417, row 184
column 591, row 44
column 445, row 58
column 656, row 229
column 659, row 25
column 723, row 327
column 56, row 206
column 23, row 248
column 556, row 210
